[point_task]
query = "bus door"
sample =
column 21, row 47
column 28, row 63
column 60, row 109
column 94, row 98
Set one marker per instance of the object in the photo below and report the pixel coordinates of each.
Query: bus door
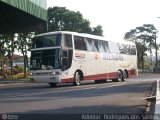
column 66, row 59
column 66, row 51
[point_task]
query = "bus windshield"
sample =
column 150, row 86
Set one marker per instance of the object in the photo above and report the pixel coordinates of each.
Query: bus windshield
column 46, row 41
column 45, row 59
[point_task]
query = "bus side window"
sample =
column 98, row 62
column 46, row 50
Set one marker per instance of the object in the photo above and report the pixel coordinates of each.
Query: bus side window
column 66, row 59
column 65, row 54
column 67, row 41
column 121, row 48
column 89, row 43
column 133, row 50
column 80, row 43
column 96, row 49
column 114, row 47
column 105, row 44
column 101, row 46
column 67, row 51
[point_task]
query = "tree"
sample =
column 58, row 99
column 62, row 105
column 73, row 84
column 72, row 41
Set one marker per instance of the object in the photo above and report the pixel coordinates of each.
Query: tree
column 145, row 39
column 11, row 45
column 85, row 27
column 3, row 51
column 24, row 45
column 98, row 30
column 62, row 19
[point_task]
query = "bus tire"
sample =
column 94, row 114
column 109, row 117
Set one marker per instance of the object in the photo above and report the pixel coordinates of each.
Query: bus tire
column 124, row 75
column 77, row 78
column 119, row 76
column 52, row 84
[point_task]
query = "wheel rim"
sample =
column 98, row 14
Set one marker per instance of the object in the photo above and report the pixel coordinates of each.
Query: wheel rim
column 119, row 76
column 77, row 78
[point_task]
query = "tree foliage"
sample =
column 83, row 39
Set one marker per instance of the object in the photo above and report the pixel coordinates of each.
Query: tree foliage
column 144, row 37
column 62, row 19
column 8, row 45
column 9, row 42
column 97, row 30
column 3, row 42
column 24, row 45
column 3, row 51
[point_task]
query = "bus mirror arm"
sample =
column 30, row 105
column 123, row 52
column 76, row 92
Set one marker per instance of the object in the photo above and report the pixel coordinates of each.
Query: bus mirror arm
column 61, row 61
column 61, row 57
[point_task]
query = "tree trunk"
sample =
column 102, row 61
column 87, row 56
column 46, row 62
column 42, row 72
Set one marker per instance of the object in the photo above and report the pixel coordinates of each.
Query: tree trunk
column 142, row 57
column 25, row 72
column 151, row 60
column 24, row 61
column 142, row 63
column 1, row 64
column 11, row 62
column 12, row 51
column 156, row 65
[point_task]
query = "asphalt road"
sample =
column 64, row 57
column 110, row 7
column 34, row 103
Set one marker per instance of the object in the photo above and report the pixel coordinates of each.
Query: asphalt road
column 89, row 98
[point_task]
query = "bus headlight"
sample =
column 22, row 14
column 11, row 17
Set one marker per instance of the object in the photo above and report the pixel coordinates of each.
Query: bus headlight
column 52, row 73
column 30, row 73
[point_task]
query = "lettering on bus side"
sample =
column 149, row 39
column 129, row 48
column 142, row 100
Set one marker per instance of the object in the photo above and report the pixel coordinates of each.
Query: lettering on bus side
column 112, row 57
column 80, row 55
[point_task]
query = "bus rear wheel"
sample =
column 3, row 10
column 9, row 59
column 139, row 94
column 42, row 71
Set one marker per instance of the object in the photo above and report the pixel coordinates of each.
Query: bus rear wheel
column 77, row 79
column 124, row 75
column 119, row 77
column 52, row 84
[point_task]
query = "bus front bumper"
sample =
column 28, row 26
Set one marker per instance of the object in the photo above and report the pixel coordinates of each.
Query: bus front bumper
column 46, row 79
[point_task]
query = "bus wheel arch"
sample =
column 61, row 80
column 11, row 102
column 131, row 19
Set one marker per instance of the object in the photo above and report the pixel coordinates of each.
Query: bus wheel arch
column 78, row 77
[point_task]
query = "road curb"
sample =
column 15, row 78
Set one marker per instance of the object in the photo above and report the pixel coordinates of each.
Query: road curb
column 10, row 84
column 157, row 106
column 7, row 83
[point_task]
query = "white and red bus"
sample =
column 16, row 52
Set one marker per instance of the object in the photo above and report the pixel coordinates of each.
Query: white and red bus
column 70, row 57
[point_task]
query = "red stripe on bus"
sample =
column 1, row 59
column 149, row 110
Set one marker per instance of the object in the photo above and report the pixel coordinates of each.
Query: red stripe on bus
column 68, row 80
column 101, row 76
column 112, row 75
column 132, row 73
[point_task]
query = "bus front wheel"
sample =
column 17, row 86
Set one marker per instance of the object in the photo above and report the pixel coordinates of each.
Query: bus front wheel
column 77, row 79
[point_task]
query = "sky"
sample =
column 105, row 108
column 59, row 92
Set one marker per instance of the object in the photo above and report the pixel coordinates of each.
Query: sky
column 115, row 16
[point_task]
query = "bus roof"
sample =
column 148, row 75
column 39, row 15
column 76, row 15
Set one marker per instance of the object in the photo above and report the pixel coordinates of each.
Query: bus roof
column 85, row 35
